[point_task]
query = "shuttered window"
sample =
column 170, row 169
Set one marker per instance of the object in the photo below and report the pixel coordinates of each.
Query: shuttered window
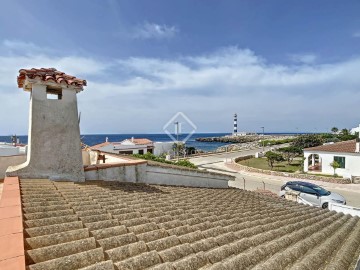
column 341, row 161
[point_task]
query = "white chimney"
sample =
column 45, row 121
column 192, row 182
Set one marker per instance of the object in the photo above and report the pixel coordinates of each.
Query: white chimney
column 357, row 148
column 106, row 139
column 132, row 139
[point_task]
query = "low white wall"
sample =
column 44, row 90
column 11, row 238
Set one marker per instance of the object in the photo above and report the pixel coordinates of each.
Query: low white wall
column 5, row 162
column 9, row 150
column 344, row 209
column 182, row 177
column 155, row 174
column 121, row 173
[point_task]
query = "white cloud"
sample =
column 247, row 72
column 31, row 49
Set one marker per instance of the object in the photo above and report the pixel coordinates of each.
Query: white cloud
column 140, row 94
column 356, row 34
column 154, row 31
column 306, row 58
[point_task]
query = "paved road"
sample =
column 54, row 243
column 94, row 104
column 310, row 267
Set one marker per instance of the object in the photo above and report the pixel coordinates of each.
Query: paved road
column 272, row 183
column 202, row 160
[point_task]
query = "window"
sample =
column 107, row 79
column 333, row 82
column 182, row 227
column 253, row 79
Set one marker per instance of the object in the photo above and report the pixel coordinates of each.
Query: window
column 295, row 187
column 308, row 190
column 53, row 93
column 341, row 161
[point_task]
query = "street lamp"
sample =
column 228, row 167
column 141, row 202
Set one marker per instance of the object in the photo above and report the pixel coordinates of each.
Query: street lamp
column 177, row 139
column 263, row 130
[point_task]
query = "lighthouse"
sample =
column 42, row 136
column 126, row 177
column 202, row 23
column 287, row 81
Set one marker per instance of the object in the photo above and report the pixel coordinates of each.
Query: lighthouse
column 235, row 125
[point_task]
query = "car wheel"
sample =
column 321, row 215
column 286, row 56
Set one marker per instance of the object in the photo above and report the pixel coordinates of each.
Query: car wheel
column 325, row 205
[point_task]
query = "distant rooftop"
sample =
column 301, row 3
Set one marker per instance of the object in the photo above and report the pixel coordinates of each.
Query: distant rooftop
column 141, row 141
column 340, row 147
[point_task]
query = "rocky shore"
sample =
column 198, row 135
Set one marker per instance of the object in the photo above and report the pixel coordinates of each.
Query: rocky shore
column 242, row 139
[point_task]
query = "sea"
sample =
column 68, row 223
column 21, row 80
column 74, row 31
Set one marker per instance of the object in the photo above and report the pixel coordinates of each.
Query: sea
column 92, row 139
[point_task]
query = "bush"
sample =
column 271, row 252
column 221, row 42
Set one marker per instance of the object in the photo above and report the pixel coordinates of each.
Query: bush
column 182, row 163
column 186, row 163
column 273, row 157
column 275, row 142
column 308, row 140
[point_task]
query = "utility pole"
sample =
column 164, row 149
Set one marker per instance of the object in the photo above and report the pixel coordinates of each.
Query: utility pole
column 263, row 130
column 177, row 139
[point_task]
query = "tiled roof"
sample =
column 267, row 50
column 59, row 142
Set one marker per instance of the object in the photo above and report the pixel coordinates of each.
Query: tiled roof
column 113, row 225
column 342, row 147
column 141, row 141
column 48, row 74
column 98, row 146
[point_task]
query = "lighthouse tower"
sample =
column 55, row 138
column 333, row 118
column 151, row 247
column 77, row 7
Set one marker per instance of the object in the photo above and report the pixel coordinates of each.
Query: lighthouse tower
column 54, row 146
column 235, row 125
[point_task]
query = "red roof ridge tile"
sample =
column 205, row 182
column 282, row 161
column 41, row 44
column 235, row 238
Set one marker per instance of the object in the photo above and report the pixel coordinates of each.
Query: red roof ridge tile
column 48, row 74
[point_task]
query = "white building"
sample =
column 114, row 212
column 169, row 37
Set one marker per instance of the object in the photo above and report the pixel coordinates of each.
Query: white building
column 166, row 148
column 319, row 158
column 128, row 146
column 9, row 149
column 354, row 130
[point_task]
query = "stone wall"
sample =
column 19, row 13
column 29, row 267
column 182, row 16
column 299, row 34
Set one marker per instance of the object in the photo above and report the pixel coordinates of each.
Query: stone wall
column 239, row 167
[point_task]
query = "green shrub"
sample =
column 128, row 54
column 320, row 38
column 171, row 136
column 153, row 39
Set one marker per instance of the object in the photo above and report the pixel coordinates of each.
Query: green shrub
column 182, row 163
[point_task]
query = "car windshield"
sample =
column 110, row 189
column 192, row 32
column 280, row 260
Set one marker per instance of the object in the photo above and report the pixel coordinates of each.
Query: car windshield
column 321, row 191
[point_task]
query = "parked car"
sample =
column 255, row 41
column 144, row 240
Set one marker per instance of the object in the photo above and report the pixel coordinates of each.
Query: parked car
column 313, row 194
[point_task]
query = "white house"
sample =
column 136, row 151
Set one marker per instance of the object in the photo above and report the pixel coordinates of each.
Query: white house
column 354, row 130
column 128, row 146
column 319, row 158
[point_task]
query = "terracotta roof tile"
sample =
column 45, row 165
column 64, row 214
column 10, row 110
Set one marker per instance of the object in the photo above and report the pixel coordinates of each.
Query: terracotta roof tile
column 98, row 146
column 48, row 74
column 342, row 147
column 251, row 230
column 141, row 141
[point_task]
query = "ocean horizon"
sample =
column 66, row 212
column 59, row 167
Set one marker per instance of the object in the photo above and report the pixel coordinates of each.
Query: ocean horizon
column 92, row 139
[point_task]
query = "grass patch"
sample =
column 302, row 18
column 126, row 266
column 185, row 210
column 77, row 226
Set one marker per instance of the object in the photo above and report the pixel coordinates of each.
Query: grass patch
column 261, row 163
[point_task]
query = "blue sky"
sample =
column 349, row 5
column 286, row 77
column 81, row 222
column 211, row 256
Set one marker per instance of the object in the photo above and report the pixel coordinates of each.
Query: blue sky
column 285, row 65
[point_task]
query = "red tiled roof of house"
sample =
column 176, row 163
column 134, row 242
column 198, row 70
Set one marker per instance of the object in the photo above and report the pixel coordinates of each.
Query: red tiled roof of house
column 48, row 74
column 141, row 141
column 98, row 146
column 342, row 147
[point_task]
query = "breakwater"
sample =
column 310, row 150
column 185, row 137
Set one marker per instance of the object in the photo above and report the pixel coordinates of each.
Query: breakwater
column 243, row 139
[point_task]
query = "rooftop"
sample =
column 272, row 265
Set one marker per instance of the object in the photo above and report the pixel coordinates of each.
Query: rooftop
column 341, row 147
column 140, row 141
column 50, row 75
column 100, row 145
column 114, row 225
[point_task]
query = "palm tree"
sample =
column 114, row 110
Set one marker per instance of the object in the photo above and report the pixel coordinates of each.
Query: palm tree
column 334, row 130
column 345, row 131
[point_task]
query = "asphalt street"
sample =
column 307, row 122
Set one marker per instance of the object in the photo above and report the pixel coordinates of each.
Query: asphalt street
column 253, row 181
